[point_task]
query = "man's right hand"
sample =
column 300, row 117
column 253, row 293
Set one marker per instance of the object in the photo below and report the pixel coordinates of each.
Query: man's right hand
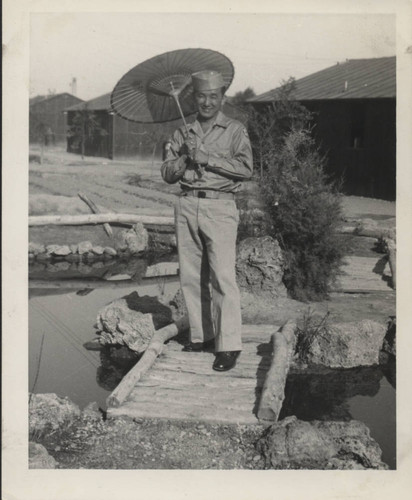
column 188, row 147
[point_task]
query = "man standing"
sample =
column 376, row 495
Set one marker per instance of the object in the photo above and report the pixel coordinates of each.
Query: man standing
column 210, row 163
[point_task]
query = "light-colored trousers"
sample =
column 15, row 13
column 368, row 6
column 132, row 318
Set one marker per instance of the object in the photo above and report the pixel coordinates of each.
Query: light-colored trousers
column 206, row 232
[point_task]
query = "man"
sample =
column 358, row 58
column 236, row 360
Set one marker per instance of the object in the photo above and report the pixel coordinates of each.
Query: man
column 210, row 164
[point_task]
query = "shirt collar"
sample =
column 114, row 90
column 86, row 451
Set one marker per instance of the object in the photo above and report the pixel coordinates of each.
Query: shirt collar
column 221, row 121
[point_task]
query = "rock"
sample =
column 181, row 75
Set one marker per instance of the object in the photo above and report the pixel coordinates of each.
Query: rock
column 84, row 268
column 50, row 249
column 137, row 238
column 98, row 250
column 120, row 243
column 259, row 267
column 355, row 443
column 62, row 250
column 345, row 345
column 132, row 321
column 98, row 265
column 84, row 247
column 162, row 241
column 58, row 266
column 110, row 251
column 134, row 240
column 74, row 248
column 36, row 248
column 39, row 457
column 89, row 256
column 178, row 305
column 42, row 257
column 92, row 412
column 74, row 257
column 389, row 342
column 50, row 411
column 295, row 444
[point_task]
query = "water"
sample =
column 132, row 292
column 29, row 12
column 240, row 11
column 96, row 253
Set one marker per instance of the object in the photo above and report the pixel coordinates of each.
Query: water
column 61, row 321
column 365, row 394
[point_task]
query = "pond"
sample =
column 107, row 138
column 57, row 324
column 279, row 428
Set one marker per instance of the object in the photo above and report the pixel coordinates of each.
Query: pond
column 61, row 320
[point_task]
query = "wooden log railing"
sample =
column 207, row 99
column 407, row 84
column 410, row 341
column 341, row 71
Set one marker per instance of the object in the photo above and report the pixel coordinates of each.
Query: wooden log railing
column 273, row 392
column 154, row 349
column 84, row 219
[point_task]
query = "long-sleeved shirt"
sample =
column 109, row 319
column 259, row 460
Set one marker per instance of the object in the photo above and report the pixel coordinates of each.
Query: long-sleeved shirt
column 230, row 157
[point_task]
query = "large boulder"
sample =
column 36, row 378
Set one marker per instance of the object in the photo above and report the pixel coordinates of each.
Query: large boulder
column 132, row 321
column 39, row 457
column 259, row 267
column 134, row 240
column 292, row 443
column 49, row 411
column 343, row 345
column 295, row 444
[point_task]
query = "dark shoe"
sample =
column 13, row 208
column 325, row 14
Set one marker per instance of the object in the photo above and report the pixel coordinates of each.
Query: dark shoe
column 225, row 360
column 199, row 346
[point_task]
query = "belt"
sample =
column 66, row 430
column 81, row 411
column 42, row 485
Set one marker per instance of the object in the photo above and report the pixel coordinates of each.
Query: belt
column 215, row 195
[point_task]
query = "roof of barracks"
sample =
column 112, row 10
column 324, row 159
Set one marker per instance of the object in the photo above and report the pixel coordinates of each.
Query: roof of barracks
column 353, row 79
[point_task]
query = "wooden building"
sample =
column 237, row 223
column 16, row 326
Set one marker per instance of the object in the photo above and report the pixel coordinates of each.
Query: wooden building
column 47, row 121
column 354, row 109
column 123, row 138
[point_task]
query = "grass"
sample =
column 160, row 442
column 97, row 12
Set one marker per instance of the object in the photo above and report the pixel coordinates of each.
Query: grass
column 309, row 328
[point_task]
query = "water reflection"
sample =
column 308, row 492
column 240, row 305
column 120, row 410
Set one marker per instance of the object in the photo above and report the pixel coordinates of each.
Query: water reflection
column 366, row 394
column 115, row 362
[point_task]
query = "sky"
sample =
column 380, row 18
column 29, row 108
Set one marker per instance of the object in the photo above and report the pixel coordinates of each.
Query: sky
column 266, row 49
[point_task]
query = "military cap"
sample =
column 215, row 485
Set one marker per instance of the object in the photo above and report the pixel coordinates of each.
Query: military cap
column 207, row 80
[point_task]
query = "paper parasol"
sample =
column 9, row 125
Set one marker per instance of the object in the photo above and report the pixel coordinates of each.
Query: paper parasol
column 159, row 89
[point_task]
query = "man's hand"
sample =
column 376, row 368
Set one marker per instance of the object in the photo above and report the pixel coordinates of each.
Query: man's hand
column 188, row 147
column 200, row 157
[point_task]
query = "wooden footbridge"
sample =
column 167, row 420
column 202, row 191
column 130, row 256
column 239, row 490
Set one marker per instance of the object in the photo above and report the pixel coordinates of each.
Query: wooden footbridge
column 183, row 385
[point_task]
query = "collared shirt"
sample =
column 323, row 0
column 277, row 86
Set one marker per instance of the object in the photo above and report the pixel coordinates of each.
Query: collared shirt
column 230, row 156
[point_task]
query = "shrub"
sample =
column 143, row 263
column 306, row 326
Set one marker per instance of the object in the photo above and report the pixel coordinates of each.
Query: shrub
column 305, row 212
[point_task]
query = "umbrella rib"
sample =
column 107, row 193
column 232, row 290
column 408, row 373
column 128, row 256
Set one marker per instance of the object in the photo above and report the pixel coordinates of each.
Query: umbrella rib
column 126, row 99
column 133, row 107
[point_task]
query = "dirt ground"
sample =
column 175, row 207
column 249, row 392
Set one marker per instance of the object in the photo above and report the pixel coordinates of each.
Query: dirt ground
column 135, row 186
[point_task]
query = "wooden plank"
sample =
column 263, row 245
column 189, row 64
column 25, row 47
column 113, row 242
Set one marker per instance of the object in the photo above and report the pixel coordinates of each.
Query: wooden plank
column 177, row 411
column 362, row 273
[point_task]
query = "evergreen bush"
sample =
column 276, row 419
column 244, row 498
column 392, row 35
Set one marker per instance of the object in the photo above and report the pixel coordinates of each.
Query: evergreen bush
column 305, row 212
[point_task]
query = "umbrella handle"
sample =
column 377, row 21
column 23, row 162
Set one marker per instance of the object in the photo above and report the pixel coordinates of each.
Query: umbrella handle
column 176, row 98
column 199, row 168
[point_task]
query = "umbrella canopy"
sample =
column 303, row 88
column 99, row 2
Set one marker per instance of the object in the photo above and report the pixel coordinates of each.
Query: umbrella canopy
column 153, row 91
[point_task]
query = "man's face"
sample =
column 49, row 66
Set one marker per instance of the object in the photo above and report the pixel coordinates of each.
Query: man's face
column 208, row 102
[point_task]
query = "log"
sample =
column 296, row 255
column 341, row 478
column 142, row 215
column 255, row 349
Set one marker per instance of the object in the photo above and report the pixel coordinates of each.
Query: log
column 391, row 251
column 82, row 219
column 273, row 392
column 96, row 210
column 154, row 349
column 81, row 284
